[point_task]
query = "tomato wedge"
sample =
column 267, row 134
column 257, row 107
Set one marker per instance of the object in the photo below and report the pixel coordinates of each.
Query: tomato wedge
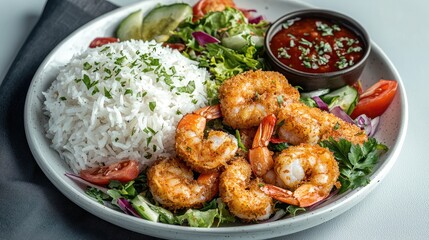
column 376, row 99
column 202, row 7
column 101, row 41
column 123, row 171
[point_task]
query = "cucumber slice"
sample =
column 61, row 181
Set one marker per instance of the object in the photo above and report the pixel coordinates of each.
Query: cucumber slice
column 345, row 97
column 161, row 21
column 315, row 93
column 130, row 27
column 235, row 42
column 141, row 206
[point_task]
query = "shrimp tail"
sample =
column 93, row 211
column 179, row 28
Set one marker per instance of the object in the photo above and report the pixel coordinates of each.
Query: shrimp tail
column 280, row 194
column 264, row 132
column 302, row 197
column 260, row 157
column 308, row 195
column 210, row 112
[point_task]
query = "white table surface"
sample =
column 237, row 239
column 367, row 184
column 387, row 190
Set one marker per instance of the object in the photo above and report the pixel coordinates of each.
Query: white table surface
column 399, row 207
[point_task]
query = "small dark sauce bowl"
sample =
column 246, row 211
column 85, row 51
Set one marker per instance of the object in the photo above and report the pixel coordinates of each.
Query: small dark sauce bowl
column 313, row 81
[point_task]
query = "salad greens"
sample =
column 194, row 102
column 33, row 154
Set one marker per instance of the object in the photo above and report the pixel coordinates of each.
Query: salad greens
column 240, row 48
column 136, row 195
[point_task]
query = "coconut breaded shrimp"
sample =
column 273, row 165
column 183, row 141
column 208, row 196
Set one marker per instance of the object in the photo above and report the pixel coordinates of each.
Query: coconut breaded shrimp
column 309, row 172
column 172, row 184
column 271, row 178
column 242, row 195
column 337, row 128
column 297, row 124
column 303, row 124
column 250, row 96
column 204, row 154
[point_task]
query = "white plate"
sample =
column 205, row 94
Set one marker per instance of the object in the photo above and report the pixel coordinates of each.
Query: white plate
column 391, row 132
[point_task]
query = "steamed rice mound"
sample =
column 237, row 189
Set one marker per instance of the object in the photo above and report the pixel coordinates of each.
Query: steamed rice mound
column 121, row 101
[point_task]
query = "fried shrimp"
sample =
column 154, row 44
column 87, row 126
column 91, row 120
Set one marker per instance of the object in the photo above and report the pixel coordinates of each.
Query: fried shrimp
column 204, row 155
column 248, row 97
column 308, row 173
column 172, row 184
column 302, row 124
column 337, row 128
column 243, row 195
column 297, row 124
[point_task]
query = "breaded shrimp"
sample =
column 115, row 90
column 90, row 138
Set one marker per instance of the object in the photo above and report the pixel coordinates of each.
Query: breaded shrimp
column 337, row 128
column 204, row 155
column 248, row 97
column 302, row 124
column 308, row 172
column 172, row 184
column 297, row 124
column 242, row 195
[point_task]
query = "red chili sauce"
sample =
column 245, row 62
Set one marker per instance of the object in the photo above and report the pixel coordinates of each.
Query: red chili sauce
column 316, row 45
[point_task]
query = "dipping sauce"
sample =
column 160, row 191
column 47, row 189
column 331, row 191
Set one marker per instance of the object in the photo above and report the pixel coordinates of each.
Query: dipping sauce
column 316, row 45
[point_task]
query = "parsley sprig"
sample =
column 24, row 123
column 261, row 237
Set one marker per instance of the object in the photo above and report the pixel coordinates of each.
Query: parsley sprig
column 356, row 161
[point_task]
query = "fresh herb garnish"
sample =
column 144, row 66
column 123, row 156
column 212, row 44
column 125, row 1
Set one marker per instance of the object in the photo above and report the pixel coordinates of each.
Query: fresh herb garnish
column 87, row 81
column 282, row 53
column 107, row 93
column 87, row 66
column 239, row 142
column 277, row 147
column 128, row 91
column 305, row 42
column 120, row 60
column 152, row 106
column 280, row 100
column 188, row 88
column 356, row 161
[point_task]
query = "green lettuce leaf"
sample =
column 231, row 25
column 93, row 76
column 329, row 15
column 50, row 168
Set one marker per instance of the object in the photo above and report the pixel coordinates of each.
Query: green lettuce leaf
column 206, row 216
column 197, row 218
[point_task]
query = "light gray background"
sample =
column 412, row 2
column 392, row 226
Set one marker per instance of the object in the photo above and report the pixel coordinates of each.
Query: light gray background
column 399, row 207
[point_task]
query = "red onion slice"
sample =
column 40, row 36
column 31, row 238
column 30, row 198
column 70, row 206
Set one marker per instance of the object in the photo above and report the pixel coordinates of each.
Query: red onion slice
column 339, row 112
column 125, row 206
column 367, row 124
column 321, row 104
column 204, row 38
column 256, row 20
column 374, row 124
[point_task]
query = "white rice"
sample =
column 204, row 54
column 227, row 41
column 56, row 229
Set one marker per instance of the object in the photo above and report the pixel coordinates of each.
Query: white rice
column 121, row 101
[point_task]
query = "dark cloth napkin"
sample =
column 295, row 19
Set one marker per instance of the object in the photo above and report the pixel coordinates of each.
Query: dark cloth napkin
column 30, row 206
